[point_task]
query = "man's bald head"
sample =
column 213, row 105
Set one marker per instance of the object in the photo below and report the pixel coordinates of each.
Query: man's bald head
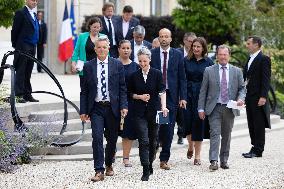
column 165, row 38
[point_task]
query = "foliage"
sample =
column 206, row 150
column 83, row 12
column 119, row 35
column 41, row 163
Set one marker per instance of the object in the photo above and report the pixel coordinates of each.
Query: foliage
column 3, row 93
column 217, row 20
column 7, row 9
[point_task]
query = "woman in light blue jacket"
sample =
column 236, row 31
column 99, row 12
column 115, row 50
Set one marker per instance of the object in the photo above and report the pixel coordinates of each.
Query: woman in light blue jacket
column 84, row 50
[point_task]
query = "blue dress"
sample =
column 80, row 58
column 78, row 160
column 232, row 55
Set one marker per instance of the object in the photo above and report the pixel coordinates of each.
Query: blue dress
column 194, row 74
column 129, row 129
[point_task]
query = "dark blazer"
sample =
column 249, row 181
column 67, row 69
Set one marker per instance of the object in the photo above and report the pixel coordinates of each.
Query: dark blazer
column 19, row 33
column 153, row 86
column 145, row 43
column 119, row 32
column 258, row 80
column 42, row 33
column 104, row 24
column 116, row 85
column 175, row 75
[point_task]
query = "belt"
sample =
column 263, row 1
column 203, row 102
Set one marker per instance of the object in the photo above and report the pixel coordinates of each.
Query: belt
column 221, row 104
column 104, row 103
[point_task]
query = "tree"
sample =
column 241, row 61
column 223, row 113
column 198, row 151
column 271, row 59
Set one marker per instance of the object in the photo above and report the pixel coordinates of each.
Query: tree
column 217, row 20
column 7, row 9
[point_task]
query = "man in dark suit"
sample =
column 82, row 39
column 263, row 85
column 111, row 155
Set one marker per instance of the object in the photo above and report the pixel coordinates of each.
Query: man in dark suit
column 109, row 27
column 103, row 100
column 138, row 42
column 257, row 74
column 24, row 37
column 42, row 39
column 170, row 62
column 187, row 42
column 125, row 24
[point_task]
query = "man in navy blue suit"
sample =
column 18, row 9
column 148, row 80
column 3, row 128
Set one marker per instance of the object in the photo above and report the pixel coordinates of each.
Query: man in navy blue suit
column 24, row 37
column 170, row 62
column 138, row 42
column 103, row 100
column 109, row 27
column 125, row 24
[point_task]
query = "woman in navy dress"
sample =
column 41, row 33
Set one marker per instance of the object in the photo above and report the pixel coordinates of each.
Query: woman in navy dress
column 128, row 132
column 195, row 64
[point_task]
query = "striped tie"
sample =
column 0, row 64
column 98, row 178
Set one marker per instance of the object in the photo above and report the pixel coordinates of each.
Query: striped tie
column 224, row 88
column 103, row 81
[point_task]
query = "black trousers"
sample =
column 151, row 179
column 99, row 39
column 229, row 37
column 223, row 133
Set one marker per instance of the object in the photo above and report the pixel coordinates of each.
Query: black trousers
column 180, row 122
column 40, row 54
column 24, row 67
column 113, row 51
column 147, row 131
column 256, row 124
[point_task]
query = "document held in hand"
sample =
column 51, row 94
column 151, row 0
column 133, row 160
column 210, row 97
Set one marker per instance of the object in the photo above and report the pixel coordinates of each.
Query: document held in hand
column 79, row 65
column 160, row 119
column 233, row 104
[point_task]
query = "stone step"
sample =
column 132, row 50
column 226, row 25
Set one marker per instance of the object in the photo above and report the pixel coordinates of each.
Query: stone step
column 134, row 151
column 85, row 145
column 55, row 126
column 52, row 115
column 25, row 109
column 70, row 135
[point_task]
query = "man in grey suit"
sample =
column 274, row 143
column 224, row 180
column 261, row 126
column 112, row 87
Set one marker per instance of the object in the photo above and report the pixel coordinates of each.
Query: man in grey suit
column 221, row 82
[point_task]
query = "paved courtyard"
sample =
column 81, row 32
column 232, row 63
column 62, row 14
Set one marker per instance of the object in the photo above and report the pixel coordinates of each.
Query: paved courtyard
column 265, row 172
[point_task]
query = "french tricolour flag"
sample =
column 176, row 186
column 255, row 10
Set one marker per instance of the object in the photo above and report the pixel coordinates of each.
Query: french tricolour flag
column 66, row 45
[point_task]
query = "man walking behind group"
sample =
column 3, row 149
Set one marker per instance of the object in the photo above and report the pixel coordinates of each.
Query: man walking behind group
column 24, row 37
column 257, row 74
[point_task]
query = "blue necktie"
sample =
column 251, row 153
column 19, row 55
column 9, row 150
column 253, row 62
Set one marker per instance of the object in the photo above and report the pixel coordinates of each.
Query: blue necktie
column 103, row 81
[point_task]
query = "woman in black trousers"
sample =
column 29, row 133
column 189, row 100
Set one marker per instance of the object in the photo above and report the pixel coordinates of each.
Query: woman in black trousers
column 148, row 91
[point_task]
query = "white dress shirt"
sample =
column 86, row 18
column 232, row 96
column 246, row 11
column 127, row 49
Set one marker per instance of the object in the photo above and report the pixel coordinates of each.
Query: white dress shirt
column 184, row 52
column 136, row 49
column 113, row 32
column 99, row 96
column 252, row 57
column 31, row 11
column 125, row 27
column 220, row 79
column 162, row 62
column 145, row 74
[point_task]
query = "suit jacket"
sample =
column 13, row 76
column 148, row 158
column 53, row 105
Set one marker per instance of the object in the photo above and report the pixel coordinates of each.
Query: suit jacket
column 104, row 24
column 145, row 43
column 119, row 31
column 153, row 86
column 210, row 88
column 116, row 86
column 177, row 89
column 42, row 33
column 258, row 81
column 22, row 27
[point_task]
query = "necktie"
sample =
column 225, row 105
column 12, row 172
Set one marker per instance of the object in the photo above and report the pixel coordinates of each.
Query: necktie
column 165, row 67
column 103, row 81
column 110, row 32
column 224, row 88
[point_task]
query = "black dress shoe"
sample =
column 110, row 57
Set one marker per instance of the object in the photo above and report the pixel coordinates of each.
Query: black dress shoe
column 180, row 140
column 224, row 165
column 251, row 150
column 146, row 173
column 214, row 165
column 252, row 155
column 30, row 99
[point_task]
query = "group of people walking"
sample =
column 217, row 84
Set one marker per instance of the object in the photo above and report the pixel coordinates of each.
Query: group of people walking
column 124, row 77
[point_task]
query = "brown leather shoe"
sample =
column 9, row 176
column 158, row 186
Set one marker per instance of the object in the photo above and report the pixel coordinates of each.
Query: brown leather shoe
column 99, row 176
column 109, row 171
column 164, row 165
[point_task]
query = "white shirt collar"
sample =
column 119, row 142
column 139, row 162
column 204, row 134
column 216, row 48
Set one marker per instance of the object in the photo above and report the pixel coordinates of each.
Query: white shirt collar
column 147, row 72
column 105, row 60
column 162, row 50
column 254, row 54
column 135, row 44
column 227, row 65
column 31, row 10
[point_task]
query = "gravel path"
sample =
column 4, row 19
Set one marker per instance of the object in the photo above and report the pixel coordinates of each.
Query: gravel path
column 265, row 172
